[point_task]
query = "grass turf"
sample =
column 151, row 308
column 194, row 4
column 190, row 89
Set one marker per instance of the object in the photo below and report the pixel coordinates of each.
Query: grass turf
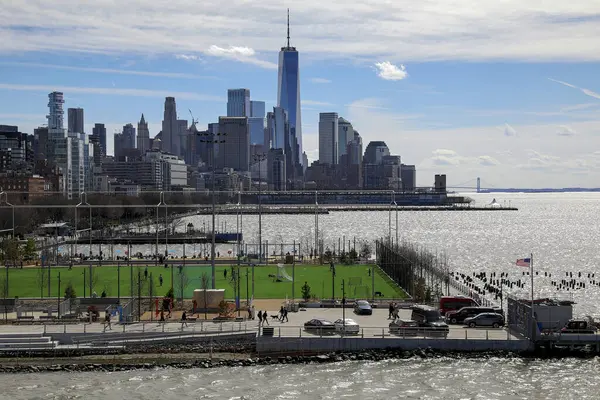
column 26, row 282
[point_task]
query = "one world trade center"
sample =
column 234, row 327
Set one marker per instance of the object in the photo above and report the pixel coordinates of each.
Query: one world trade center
column 288, row 98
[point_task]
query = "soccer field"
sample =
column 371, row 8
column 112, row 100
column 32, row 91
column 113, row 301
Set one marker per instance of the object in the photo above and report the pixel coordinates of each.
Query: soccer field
column 27, row 282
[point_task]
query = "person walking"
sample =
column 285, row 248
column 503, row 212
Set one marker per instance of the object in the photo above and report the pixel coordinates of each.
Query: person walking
column 281, row 314
column 160, row 280
column 146, row 273
column 107, row 321
column 390, row 310
column 285, row 312
column 259, row 317
column 183, row 320
column 265, row 318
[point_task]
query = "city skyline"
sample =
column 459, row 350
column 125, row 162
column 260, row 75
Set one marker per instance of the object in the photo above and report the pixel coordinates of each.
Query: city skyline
column 504, row 107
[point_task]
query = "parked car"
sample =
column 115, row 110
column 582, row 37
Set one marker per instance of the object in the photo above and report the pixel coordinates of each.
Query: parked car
column 362, row 307
column 431, row 320
column 579, row 327
column 403, row 327
column 347, row 326
column 319, row 326
column 458, row 316
column 485, row 319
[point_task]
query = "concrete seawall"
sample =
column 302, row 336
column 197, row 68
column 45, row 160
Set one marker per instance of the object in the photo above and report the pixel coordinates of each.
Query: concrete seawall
column 277, row 345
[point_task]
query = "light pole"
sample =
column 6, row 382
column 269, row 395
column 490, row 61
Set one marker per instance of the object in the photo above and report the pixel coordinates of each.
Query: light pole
column 212, row 139
column 259, row 157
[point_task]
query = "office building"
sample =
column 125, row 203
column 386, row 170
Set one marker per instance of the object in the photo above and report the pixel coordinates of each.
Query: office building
column 257, row 109
column 235, row 151
column 99, row 130
column 129, row 136
column 143, row 136
column 171, row 128
column 276, row 175
column 278, row 128
column 328, row 138
column 375, row 152
column 16, row 149
column 345, row 136
column 288, row 94
column 238, row 103
column 40, row 143
column 409, row 178
column 75, row 120
column 182, row 126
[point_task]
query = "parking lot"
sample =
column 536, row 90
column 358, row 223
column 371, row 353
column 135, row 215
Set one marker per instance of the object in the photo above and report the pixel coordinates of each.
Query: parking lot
column 375, row 325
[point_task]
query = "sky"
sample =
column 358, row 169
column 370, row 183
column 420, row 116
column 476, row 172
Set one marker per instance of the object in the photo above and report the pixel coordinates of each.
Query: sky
column 508, row 91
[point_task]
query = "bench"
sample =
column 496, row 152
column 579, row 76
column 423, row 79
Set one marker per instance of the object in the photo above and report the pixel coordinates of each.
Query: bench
column 25, row 317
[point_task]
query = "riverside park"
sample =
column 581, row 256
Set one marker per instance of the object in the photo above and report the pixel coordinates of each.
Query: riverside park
column 270, row 281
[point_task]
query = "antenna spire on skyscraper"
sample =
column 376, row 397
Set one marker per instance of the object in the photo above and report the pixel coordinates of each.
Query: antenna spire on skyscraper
column 288, row 27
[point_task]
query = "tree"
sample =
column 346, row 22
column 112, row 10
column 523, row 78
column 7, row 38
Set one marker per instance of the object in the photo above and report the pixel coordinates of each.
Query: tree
column 42, row 280
column 365, row 250
column 419, row 291
column 205, row 285
column 29, row 250
column 70, row 291
column 182, row 282
column 305, row 291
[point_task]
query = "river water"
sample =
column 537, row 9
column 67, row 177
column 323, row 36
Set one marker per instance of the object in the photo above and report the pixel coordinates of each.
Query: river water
column 442, row 378
column 561, row 230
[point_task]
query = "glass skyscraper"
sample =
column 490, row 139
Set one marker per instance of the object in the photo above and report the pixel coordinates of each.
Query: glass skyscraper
column 288, row 97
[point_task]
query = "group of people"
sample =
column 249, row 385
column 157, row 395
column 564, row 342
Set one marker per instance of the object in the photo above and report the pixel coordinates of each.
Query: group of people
column 393, row 311
column 262, row 317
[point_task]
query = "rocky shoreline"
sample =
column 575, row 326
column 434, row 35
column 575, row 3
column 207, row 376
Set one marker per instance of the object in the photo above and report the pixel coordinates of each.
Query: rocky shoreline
column 113, row 362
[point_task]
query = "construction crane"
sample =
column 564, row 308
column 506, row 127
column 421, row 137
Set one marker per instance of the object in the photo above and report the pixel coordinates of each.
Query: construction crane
column 194, row 121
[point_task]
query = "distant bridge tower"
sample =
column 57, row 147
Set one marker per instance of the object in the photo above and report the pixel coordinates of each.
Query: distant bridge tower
column 478, row 184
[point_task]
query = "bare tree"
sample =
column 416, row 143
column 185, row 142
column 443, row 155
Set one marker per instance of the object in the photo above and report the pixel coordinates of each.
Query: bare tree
column 42, row 280
column 205, row 284
column 182, row 282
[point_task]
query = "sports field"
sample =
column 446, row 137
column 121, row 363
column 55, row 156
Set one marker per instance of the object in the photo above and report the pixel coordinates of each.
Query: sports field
column 27, row 282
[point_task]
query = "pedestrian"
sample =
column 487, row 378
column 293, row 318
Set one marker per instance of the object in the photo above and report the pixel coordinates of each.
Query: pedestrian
column 160, row 280
column 225, row 273
column 253, row 312
column 281, row 314
column 369, row 271
column 285, row 312
column 183, row 320
column 390, row 310
column 249, row 313
column 265, row 318
column 162, row 315
column 107, row 321
column 146, row 272
column 259, row 317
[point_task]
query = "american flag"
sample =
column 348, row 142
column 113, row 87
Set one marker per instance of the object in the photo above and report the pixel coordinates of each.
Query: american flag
column 524, row 262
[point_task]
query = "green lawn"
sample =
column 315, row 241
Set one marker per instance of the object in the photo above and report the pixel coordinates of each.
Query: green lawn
column 26, row 282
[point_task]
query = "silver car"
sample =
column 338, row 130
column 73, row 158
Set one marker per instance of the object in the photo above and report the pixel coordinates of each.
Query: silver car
column 347, row 326
column 485, row 319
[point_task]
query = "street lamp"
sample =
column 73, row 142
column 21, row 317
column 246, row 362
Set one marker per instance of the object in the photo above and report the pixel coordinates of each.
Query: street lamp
column 212, row 139
column 259, row 157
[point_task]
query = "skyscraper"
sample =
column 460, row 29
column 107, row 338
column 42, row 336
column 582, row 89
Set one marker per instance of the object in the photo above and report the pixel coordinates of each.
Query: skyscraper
column 235, row 152
column 288, row 94
column 345, row 136
column 256, row 121
column 56, row 113
column 170, row 128
column 238, row 103
column 257, row 109
column 143, row 138
column 100, row 131
column 278, row 128
column 75, row 122
column 129, row 136
column 328, row 138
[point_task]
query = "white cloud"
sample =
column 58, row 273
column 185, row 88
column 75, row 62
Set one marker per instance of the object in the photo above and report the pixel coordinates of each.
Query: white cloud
column 319, row 80
column 110, row 91
column 187, row 57
column 488, row 161
column 427, row 30
column 317, row 103
column 509, row 130
column 105, row 70
column 565, row 130
column 239, row 53
column 585, row 91
column 388, row 71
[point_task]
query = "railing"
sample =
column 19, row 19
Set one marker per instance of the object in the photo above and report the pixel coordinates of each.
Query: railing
column 65, row 307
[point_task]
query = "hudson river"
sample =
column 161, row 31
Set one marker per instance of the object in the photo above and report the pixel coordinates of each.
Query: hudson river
column 561, row 230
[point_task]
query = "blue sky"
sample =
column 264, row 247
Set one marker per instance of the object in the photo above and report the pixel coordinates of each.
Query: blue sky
column 504, row 90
